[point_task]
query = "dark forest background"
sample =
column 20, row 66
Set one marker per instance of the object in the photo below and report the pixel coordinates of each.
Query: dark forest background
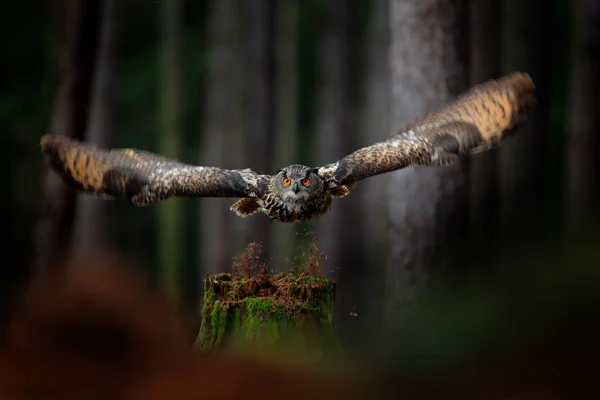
column 263, row 84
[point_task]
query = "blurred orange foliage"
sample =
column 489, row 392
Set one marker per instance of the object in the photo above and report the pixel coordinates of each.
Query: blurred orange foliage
column 97, row 330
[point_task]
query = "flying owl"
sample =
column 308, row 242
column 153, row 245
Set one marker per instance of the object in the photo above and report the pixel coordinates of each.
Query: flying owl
column 475, row 121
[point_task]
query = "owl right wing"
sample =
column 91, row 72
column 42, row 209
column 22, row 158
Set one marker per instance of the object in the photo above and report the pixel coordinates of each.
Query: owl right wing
column 477, row 120
column 143, row 177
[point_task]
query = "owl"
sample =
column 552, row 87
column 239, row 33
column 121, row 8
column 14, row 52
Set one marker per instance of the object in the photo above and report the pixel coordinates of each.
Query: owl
column 475, row 121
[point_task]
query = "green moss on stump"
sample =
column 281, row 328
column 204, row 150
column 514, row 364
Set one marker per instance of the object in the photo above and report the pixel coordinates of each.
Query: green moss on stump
column 271, row 308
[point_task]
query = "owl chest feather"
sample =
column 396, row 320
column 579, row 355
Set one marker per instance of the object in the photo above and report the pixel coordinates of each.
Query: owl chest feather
column 295, row 211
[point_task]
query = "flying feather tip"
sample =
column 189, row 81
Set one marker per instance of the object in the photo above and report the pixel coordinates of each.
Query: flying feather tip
column 47, row 141
column 522, row 78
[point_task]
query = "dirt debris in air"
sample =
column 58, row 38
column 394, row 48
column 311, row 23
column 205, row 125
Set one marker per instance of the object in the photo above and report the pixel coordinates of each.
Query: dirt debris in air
column 252, row 277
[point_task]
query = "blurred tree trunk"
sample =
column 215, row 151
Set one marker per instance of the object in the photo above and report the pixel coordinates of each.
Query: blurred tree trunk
column 584, row 121
column 70, row 118
column 260, row 73
column 525, row 32
column 485, row 62
column 170, row 213
column 91, row 219
column 337, row 122
column 428, row 205
column 223, row 132
column 331, row 116
column 286, row 96
column 375, row 127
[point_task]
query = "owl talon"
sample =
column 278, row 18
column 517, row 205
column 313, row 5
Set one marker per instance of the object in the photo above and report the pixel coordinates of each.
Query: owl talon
column 245, row 207
column 340, row 191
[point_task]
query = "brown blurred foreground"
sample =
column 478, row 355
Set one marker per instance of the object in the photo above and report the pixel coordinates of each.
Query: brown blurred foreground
column 97, row 330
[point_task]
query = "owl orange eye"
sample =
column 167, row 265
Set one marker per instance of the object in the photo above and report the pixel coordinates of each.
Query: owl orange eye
column 305, row 181
column 286, row 181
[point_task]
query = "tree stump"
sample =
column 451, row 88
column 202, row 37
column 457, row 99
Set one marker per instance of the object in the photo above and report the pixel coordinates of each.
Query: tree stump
column 270, row 308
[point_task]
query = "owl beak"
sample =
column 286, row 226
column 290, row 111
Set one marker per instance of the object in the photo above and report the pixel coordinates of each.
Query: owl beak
column 296, row 188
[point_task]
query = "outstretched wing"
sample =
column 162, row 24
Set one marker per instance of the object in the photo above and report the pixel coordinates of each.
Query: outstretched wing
column 143, row 177
column 475, row 121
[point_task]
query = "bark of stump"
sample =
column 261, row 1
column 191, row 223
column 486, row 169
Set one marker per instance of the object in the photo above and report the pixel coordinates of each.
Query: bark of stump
column 274, row 308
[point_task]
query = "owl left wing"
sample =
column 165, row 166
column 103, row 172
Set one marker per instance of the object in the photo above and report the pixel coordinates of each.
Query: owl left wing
column 475, row 121
column 143, row 177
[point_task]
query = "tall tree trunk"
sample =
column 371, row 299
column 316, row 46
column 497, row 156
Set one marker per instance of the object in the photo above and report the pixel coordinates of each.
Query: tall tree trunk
column 223, row 132
column 170, row 213
column 375, row 127
column 286, row 95
column 91, row 230
column 485, row 63
column 522, row 158
column 427, row 211
column 583, row 163
column 330, row 120
column 260, row 72
column 337, row 122
column 69, row 117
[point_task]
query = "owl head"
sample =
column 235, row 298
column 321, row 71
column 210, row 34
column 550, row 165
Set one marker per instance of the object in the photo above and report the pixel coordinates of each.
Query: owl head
column 297, row 183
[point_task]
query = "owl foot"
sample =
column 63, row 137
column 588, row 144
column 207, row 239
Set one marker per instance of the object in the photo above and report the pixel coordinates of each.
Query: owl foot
column 340, row 191
column 245, row 207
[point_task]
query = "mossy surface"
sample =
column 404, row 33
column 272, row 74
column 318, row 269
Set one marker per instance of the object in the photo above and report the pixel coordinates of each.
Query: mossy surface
column 271, row 308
